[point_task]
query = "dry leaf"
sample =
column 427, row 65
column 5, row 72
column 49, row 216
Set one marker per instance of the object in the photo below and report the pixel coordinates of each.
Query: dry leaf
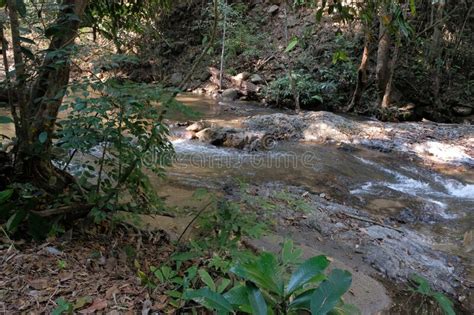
column 111, row 291
column 98, row 305
column 65, row 276
column 39, row 284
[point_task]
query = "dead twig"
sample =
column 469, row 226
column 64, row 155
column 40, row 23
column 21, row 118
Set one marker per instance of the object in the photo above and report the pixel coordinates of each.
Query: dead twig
column 373, row 222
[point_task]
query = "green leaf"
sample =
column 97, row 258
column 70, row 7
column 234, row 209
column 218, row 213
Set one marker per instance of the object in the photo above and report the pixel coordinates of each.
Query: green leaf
column 27, row 52
column 5, row 120
column 306, row 272
column 206, row 278
column 423, row 285
column 5, row 195
column 20, row 4
column 257, row 302
column 262, row 271
column 327, row 295
column 223, row 285
column 302, row 301
column 43, row 137
column 345, row 309
column 290, row 254
column 3, row 3
column 413, row 7
column 27, row 40
column 15, row 220
column 209, row 299
column 64, row 307
column 238, row 295
column 444, row 303
column 292, row 44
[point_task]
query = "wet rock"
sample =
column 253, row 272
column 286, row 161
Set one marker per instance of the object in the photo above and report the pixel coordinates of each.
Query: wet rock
column 230, row 94
column 214, row 136
column 197, row 126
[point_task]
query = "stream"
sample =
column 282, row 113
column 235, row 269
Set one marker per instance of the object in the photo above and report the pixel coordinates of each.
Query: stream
column 437, row 206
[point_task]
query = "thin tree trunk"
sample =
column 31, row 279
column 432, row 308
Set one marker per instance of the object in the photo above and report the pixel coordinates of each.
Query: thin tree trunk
column 435, row 53
column 361, row 75
column 383, row 57
column 388, row 89
column 291, row 79
column 221, row 76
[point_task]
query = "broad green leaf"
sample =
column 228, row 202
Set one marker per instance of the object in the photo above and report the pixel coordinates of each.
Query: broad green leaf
column 209, row 299
column 302, row 301
column 292, row 44
column 5, row 195
column 423, row 285
column 223, row 285
column 262, row 271
column 306, row 272
column 206, row 278
column 345, row 309
column 327, row 295
column 42, row 137
column 290, row 254
column 238, row 297
column 15, row 220
column 5, row 120
column 444, row 303
column 257, row 301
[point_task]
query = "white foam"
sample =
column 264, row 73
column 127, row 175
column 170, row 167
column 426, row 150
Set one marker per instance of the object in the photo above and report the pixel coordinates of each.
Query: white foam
column 457, row 189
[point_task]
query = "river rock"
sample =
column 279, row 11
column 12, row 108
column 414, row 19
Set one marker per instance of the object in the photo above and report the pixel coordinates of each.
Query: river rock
column 243, row 76
column 197, row 126
column 256, row 79
column 176, row 79
column 273, row 9
column 230, row 94
column 214, row 136
column 462, row 110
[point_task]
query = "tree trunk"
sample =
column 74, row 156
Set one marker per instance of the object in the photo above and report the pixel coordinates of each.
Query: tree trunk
column 383, row 57
column 386, row 100
column 435, row 53
column 221, row 77
column 291, row 79
column 361, row 75
column 39, row 109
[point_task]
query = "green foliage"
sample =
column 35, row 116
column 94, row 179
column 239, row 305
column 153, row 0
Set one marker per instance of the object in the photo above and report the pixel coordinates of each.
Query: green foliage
column 423, row 288
column 63, row 307
column 264, row 286
column 119, row 125
column 243, row 37
column 308, row 89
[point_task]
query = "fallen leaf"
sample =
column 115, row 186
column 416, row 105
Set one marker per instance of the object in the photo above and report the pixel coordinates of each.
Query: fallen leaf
column 111, row 291
column 65, row 276
column 39, row 284
column 82, row 301
column 98, row 305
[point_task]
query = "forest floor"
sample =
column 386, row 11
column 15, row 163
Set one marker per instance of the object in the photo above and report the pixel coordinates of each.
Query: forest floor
column 95, row 269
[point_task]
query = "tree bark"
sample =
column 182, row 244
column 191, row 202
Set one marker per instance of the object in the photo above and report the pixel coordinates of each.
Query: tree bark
column 386, row 100
column 361, row 75
column 383, row 57
column 435, row 53
column 40, row 108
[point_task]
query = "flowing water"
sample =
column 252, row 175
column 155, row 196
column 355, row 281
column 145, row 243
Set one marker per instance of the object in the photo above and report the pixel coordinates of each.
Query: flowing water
column 390, row 186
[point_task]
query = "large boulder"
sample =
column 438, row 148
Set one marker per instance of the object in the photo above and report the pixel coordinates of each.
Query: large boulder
column 230, row 94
